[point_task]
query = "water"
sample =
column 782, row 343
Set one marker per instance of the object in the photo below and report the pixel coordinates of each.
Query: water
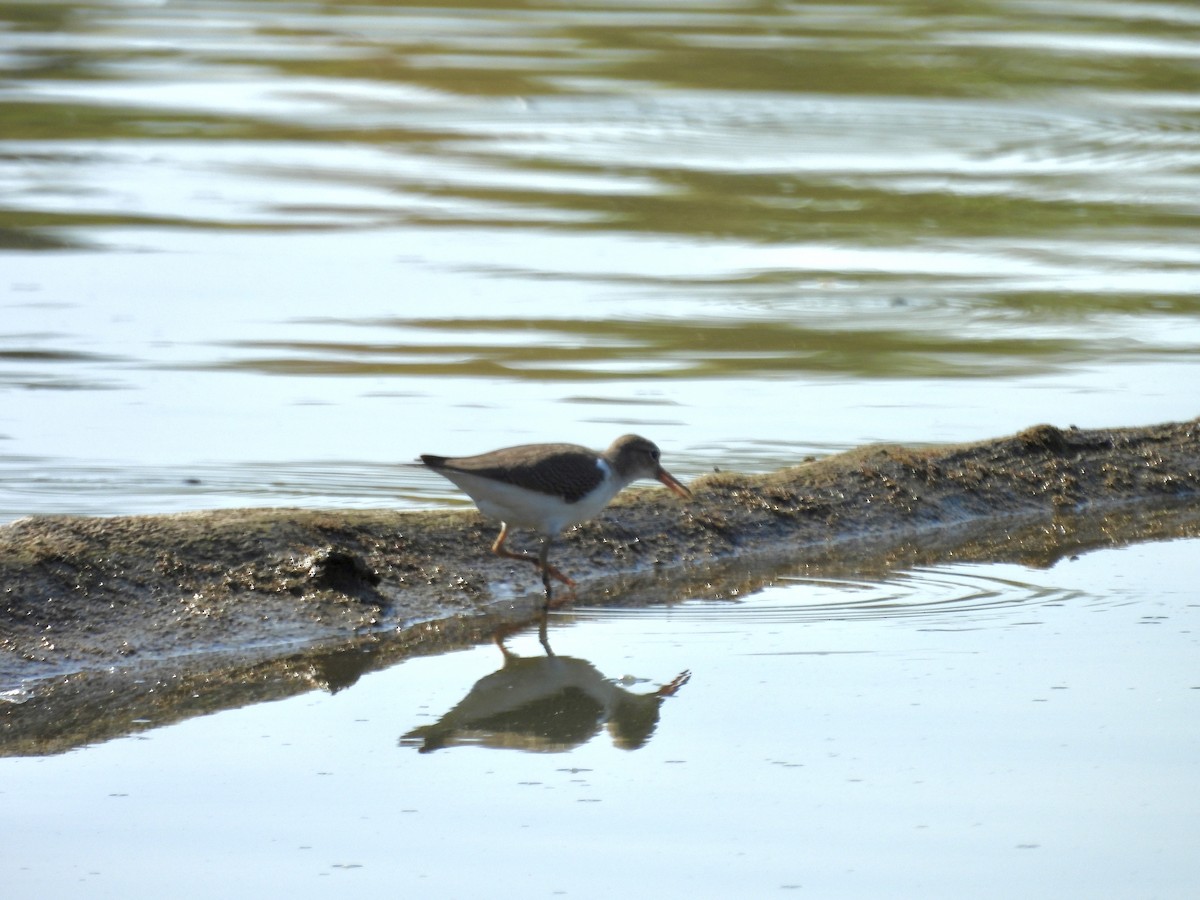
column 263, row 253
column 994, row 729
column 260, row 253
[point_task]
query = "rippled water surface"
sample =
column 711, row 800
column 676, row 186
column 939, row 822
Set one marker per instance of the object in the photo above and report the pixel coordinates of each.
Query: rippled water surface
column 259, row 253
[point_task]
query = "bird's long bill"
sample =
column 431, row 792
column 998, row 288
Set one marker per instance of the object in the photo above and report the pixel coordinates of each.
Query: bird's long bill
column 669, row 480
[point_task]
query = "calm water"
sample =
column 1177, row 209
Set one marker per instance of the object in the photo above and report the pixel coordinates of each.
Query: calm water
column 988, row 731
column 261, row 253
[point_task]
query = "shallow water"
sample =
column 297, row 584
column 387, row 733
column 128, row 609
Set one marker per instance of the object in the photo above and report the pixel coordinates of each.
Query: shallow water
column 984, row 730
column 261, row 254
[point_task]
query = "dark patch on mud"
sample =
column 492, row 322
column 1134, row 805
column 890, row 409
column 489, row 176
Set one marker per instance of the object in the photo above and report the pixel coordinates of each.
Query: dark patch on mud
column 104, row 621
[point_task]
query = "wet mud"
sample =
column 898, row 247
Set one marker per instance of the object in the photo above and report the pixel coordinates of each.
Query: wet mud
column 108, row 625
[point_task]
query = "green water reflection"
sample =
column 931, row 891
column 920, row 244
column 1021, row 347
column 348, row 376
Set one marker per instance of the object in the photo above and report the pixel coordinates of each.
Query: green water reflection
column 1020, row 89
column 582, row 350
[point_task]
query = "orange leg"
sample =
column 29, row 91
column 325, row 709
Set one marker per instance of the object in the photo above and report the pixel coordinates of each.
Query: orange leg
column 540, row 560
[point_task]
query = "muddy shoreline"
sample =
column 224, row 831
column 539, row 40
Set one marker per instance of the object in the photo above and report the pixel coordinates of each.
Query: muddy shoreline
column 169, row 616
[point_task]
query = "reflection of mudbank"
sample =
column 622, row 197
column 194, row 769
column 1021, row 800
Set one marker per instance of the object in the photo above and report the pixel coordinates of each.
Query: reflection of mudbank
column 545, row 703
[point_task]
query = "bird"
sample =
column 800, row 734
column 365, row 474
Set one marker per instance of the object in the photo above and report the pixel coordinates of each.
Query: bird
column 550, row 487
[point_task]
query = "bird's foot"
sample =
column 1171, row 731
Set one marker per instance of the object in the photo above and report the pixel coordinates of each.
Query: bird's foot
column 552, row 601
column 554, row 572
column 545, row 567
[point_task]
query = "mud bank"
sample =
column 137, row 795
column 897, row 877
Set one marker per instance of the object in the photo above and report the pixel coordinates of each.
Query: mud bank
column 169, row 616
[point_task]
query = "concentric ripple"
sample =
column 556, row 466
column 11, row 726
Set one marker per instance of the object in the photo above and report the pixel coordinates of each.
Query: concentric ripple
column 959, row 597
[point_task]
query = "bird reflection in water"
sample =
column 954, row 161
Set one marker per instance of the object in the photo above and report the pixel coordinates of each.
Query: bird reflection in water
column 545, row 704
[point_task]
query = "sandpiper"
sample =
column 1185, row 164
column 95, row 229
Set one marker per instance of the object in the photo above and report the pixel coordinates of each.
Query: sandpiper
column 550, row 487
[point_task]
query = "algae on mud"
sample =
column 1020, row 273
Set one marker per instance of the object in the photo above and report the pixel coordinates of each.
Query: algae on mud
column 110, row 620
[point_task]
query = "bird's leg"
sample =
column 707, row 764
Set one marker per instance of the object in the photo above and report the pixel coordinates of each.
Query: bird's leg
column 542, row 636
column 500, row 550
column 544, row 562
column 547, row 571
column 503, row 633
column 540, row 560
